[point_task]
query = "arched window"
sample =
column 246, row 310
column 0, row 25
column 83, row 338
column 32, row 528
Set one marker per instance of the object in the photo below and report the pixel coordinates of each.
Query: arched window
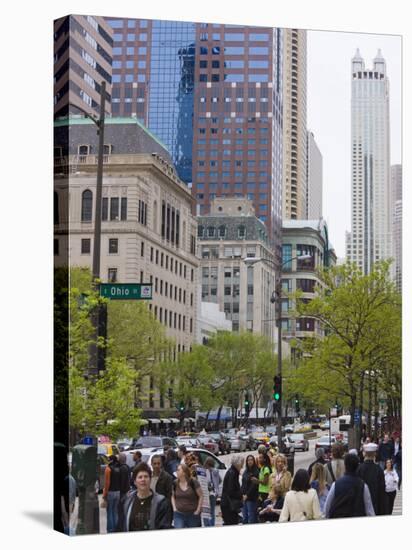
column 87, row 205
column 222, row 231
column 56, row 208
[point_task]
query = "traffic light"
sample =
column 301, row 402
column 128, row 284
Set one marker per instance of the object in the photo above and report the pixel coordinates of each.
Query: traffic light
column 181, row 407
column 277, row 388
column 297, row 404
column 247, row 404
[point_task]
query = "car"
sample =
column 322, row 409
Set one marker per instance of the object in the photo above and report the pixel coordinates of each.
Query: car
column 107, row 449
column 237, row 443
column 272, row 430
column 188, row 441
column 125, row 443
column 302, row 428
column 154, row 442
column 324, row 425
column 208, row 443
column 222, row 440
column 300, row 443
column 289, row 428
column 325, row 442
column 289, row 446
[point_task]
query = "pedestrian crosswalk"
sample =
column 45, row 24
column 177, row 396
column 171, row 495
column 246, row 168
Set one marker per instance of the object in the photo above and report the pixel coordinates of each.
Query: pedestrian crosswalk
column 397, row 507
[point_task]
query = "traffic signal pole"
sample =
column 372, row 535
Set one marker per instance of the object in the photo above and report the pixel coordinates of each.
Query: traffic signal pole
column 279, row 369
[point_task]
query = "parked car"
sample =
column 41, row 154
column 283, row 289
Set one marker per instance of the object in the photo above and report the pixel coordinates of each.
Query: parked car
column 208, row 443
column 300, row 443
column 237, row 443
column 222, row 440
column 155, row 442
column 324, row 425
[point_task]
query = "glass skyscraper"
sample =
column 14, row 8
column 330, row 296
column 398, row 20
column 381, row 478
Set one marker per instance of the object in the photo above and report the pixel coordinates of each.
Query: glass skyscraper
column 213, row 95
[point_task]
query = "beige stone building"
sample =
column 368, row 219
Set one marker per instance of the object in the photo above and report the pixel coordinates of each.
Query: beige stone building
column 148, row 231
column 294, row 124
column 228, row 235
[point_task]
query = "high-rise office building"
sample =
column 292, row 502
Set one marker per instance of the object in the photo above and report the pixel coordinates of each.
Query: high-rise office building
column 213, row 94
column 294, row 125
column 82, row 61
column 314, row 177
column 370, row 239
column 396, row 208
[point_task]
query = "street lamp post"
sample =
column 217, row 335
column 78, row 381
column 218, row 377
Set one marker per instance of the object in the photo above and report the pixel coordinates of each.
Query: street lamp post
column 277, row 296
column 99, row 317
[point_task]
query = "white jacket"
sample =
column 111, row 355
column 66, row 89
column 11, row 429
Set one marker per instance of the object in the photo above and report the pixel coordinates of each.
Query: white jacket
column 391, row 481
column 299, row 503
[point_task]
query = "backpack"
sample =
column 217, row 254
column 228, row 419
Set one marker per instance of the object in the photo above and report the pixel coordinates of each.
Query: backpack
column 345, row 505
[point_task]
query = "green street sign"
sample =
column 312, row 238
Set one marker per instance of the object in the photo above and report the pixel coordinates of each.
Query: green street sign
column 127, row 291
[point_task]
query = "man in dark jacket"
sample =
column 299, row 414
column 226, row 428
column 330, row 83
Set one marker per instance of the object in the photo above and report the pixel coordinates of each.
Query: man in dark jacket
column 144, row 509
column 385, row 451
column 349, row 495
column 231, row 501
column 124, row 484
column 372, row 474
column 162, row 482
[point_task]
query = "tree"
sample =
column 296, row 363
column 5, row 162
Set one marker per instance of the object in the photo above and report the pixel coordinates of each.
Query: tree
column 355, row 310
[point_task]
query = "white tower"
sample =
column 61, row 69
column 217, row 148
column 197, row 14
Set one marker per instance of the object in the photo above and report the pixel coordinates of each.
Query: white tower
column 370, row 238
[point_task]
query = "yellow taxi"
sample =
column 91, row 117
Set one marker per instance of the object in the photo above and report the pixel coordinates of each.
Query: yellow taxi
column 261, row 437
column 107, row 449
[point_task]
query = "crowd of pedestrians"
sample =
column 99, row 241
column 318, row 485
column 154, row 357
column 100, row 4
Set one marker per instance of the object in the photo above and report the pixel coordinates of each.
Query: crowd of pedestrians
column 176, row 491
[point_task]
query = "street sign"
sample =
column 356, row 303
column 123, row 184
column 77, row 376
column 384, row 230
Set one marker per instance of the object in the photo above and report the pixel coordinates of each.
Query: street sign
column 127, row 291
column 356, row 416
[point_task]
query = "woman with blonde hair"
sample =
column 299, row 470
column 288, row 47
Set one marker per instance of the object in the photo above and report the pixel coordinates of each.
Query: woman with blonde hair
column 318, row 482
column 335, row 468
column 281, row 478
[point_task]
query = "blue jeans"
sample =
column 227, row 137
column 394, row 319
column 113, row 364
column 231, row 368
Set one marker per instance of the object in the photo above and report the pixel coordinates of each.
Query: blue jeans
column 249, row 511
column 181, row 520
column 210, row 522
column 113, row 499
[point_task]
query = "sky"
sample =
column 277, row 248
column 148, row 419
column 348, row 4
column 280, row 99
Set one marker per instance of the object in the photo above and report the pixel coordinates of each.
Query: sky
column 329, row 115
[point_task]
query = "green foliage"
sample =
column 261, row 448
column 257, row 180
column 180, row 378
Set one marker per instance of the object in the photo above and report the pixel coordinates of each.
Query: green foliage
column 361, row 316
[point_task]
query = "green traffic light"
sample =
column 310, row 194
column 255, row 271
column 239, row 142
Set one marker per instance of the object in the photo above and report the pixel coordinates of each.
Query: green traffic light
column 276, row 396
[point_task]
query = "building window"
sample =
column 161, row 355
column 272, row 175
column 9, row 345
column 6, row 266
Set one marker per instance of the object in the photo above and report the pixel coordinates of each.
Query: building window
column 112, row 275
column 105, row 208
column 123, row 208
column 308, row 263
column 142, row 249
column 222, row 231
column 306, row 285
column 85, row 246
column 241, row 232
column 87, row 205
column 305, row 323
column 287, row 257
column 114, row 208
column 113, row 246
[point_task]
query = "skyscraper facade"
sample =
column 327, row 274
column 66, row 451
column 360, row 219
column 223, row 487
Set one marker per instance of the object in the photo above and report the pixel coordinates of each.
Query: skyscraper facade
column 314, row 176
column 396, row 208
column 82, row 60
column 294, row 124
column 213, row 94
column 370, row 239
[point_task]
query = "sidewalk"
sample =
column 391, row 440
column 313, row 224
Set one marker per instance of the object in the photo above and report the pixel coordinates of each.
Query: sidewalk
column 397, row 507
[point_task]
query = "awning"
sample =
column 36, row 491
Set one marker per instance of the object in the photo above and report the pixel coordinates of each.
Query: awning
column 174, row 420
column 165, row 420
column 154, row 420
